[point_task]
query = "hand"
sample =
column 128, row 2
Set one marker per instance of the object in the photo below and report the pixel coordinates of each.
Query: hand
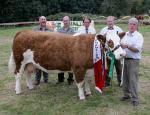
column 124, row 46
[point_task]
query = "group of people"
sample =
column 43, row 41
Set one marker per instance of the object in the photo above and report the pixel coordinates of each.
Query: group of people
column 65, row 29
column 132, row 43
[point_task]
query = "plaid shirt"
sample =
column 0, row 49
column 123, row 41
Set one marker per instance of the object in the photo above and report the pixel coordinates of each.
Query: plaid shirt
column 38, row 28
column 67, row 31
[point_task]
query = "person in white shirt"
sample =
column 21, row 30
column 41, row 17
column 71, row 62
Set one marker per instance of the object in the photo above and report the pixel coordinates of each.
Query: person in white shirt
column 112, row 27
column 132, row 43
column 86, row 28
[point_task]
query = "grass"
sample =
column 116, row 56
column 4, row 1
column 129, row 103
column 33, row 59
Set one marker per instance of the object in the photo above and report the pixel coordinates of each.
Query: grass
column 9, row 32
column 52, row 99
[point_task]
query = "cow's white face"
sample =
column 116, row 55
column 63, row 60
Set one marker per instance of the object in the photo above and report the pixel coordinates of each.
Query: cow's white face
column 113, row 41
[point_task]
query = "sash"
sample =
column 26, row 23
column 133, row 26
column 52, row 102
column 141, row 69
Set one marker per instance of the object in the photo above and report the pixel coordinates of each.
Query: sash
column 99, row 60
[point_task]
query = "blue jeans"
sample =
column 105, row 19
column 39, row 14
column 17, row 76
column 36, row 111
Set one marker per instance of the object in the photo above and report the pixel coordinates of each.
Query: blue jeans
column 39, row 73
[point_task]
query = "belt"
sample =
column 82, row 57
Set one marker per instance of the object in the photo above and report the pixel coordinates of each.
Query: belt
column 128, row 58
column 131, row 59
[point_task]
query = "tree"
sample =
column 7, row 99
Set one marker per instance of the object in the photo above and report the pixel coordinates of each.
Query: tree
column 114, row 7
column 146, row 6
column 27, row 10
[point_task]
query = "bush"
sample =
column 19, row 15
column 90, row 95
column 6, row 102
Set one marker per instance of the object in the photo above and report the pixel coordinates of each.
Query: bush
column 59, row 16
column 75, row 17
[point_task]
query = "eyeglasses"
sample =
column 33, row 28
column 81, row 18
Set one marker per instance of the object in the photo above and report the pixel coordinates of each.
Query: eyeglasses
column 86, row 22
column 65, row 20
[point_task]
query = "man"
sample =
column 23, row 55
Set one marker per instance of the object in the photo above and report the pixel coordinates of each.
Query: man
column 112, row 27
column 68, row 30
column 86, row 27
column 132, row 43
column 41, row 27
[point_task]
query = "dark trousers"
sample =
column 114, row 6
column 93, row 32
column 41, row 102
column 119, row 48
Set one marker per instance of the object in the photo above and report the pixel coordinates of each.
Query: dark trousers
column 118, row 68
column 61, row 77
column 39, row 73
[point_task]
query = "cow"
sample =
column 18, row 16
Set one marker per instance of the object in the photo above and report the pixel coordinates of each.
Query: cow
column 58, row 52
column 139, row 17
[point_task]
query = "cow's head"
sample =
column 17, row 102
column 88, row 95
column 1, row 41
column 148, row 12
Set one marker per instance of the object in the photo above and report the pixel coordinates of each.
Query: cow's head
column 112, row 40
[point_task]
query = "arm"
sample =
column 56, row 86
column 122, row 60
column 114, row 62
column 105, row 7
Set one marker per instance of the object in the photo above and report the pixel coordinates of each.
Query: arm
column 133, row 49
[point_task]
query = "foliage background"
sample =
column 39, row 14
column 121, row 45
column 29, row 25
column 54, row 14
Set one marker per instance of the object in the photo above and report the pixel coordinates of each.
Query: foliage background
column 30, row 10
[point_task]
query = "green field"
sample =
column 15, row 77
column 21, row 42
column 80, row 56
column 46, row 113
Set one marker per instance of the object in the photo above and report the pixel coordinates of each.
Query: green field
column 52, row 99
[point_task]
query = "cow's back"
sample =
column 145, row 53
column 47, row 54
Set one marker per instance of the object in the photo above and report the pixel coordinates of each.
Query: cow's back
column 83, row 51
column 54, row 50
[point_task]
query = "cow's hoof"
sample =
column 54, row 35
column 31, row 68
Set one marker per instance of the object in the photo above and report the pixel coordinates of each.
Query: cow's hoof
column 30, row 87
column 98, row 90
column 18, row 93
column 88, row 94
column 82, row 98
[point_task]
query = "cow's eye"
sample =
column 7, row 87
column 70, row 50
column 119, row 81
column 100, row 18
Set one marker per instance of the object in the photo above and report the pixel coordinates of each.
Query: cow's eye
column 110, row 43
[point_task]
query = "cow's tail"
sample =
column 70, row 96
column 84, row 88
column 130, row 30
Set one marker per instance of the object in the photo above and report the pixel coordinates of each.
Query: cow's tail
column 11, row 64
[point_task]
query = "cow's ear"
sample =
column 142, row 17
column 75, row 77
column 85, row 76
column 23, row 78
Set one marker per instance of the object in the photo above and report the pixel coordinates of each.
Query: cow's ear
column 121, row 35
column 101, row 38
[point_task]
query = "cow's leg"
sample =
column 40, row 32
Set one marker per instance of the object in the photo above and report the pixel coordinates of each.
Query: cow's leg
column 88, row 79
column 87, row 88
column 80, row 90
column 18, row 84
column 79, row 75
column 29, row 69
column 29, row 80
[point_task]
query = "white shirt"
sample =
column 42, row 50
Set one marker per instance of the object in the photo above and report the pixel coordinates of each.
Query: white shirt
column 82, row 29
column 135, row 40
column 115, row 29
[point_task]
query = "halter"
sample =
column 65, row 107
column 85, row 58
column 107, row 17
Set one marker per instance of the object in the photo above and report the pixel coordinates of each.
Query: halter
column 116, row 48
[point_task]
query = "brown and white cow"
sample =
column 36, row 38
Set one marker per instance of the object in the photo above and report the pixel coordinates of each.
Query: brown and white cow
column 55, row 51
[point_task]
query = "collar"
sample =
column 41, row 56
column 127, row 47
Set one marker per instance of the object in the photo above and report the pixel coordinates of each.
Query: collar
column 40, row 28
column 131, row 34
column 110, row 28
column 66, row 28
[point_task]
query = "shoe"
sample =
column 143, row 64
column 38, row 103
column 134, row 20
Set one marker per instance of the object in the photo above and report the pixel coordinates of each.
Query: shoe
column 107, row 85
column 57, row 83
column 70, row 78
column 45, row 81
column 135, row 103
column 70, row 81
column 124, row 98
column 37, row 82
